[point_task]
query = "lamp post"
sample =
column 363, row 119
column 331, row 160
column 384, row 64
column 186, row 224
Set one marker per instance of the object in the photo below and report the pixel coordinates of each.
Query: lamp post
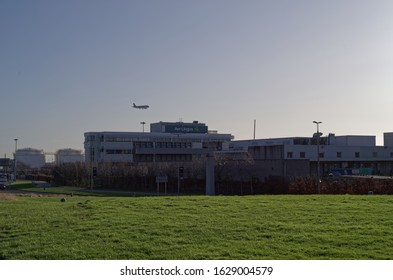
column 318, row 161
column 143, row 126
column 16, row 147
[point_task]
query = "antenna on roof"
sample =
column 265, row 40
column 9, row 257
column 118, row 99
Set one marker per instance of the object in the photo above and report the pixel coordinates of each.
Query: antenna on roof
column 255, row 124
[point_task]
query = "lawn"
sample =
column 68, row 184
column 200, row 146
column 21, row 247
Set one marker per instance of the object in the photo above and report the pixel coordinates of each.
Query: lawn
column 197, row 227
column 37, row 188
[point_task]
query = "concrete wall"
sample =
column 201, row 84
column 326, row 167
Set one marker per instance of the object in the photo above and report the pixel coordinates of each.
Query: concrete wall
column 388, row 139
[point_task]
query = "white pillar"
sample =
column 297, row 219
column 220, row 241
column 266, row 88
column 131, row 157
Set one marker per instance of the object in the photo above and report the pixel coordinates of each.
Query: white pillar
column 210, row 162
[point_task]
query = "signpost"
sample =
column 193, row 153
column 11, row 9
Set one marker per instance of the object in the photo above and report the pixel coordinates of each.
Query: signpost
column 159, row 180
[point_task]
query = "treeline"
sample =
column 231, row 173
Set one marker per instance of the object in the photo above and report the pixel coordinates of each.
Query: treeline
column 142, row 177
column 342, row 185
column 231, row 178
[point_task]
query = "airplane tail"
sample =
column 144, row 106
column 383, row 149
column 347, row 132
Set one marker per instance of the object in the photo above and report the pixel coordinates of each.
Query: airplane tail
column 134, row 104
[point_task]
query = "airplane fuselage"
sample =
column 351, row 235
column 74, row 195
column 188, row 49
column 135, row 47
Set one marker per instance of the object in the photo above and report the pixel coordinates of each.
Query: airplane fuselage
column 140, row 106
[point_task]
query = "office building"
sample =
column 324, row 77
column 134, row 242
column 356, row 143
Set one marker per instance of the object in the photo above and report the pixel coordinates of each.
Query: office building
column 167, row 142
column 298, row 156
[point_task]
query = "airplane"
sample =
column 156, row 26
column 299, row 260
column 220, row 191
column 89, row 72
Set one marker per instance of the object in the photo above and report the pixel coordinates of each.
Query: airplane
column 140, row 106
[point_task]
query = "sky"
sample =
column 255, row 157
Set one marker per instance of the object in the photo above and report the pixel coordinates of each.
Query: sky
column 74, row 66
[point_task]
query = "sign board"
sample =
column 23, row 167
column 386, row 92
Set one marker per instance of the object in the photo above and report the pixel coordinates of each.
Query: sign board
column 5, row 162
column 185, row 128
column 161, row 179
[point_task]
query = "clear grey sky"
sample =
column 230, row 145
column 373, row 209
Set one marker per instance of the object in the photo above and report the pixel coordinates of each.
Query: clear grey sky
column 72, row 66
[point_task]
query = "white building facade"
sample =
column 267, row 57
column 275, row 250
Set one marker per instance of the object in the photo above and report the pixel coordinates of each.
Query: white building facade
column 32, row 158
column 68, row 156
column 109, row 146
column 348, row 151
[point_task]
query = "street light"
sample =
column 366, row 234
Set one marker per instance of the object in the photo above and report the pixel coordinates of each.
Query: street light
column 16, row 147
column 318, row 161
column 143, row 126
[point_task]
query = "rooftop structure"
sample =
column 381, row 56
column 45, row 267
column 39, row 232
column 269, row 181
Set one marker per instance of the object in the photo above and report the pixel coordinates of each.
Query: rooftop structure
column 179, row 127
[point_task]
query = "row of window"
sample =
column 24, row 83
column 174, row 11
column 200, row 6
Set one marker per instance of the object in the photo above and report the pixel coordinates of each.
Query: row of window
column 118, row 152
column 338, row 155
column 163, row 145
column 162, row 158
column 143, row 144
column 173, row 145
column 102, row 138
column 310, row 141
column 127, row 152
column 115, row 139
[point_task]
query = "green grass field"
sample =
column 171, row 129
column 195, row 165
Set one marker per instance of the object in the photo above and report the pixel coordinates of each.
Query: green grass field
column 197, row 227
column 28, row 186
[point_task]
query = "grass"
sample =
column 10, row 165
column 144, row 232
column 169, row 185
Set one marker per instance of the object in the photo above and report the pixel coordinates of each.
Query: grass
column 28, row 186
column 197, row 227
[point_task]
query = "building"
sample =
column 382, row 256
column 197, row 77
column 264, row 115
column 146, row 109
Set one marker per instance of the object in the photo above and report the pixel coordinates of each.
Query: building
column 68, row 156
column 388, row 139
column 32, row 158
column 298, row 156
column 167, row 142
column 6, row 165
column 290, row 156
column 179, row 127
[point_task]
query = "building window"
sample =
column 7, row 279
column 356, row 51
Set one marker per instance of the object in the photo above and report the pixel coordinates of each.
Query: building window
column 339, row 154
column 391, row 154
column 302, row 154
column 289, row 155
column 118, row 152
column 357, row 155
column 144, row 144
column 321, row 155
